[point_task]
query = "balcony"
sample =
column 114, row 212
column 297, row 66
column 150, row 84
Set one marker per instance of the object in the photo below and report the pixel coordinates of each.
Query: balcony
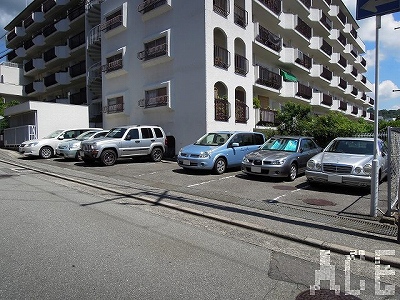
column 361, row 64
column 53, row 32
column 241, row 65
column 33, row 66
column 296, row 91
column 241, row 112
column 52, row 7
column 55, row 55
column 268, row 78
column 158, row 101
column 338, row 63
column 342, row 105
column 34, row 88
column 303, row 28
column 77, row 41
column 337, row 39
column 222, row 110
column 354, row 110
column 61, row 78
column 266, row 117
column 321, row 99
column 323, row 49
column 149, row 5
column 268, row 39
column 33, row 22
column 222, row 57
column 113, row 108
column 221, row 7
column 337, row 16
column 77, row 69
column 321, row 72
column 15, row 36
column 153, row 52
column 322, row 24
column 297, row 29
column 294, row 56
column 273, row 5
column 240, row 16
column 339, row 83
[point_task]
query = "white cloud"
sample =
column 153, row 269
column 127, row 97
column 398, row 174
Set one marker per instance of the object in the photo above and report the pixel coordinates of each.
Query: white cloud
column 386, row 88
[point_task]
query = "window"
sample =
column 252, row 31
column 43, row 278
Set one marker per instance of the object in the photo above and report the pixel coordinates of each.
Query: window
column 146, row 133
column 154, row 49
column 114, row 105
column 133, row 134
column 156, row 97
column 158, row 132
column 113, row 20
column 113, row 63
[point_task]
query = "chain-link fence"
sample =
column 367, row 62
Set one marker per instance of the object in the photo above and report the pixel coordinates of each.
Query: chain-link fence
column 392, row 138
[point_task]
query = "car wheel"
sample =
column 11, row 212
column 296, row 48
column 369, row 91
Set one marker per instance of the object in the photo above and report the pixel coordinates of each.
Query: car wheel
column 220, row 166
column 108, row 157
column 293, row 172
column 46, row 152
column 156, row 154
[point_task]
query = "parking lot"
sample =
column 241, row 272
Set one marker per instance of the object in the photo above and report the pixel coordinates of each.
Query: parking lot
column 233, row 186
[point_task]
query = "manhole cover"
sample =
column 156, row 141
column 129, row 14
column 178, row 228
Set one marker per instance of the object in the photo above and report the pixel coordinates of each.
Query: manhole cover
column 325, row 295
column 319, row 202
column 284, row 187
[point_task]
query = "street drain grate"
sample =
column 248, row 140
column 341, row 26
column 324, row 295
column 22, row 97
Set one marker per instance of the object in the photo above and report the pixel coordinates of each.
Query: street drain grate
column 319, row 202
column 284, row 187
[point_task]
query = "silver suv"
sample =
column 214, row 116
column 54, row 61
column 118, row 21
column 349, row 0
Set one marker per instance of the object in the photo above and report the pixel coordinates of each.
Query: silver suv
column 124, row 142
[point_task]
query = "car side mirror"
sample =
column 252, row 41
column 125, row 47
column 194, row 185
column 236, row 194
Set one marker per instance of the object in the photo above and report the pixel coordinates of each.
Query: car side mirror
column 61, row 137
column 128, row 137
column 235, row 144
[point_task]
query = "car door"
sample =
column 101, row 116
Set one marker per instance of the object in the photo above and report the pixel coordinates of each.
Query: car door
column 146, row 141
column 236, row 154
column 307, row 150
column 130, row 143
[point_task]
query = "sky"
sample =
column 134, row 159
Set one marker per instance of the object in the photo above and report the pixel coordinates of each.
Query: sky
column 389, row 48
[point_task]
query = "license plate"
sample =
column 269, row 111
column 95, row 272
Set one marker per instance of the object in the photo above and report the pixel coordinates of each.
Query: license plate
column 335, row 178
column 256, row 169
column 186, row 162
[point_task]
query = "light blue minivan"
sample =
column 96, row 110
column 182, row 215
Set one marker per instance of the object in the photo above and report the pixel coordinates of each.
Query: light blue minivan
column 219, row 150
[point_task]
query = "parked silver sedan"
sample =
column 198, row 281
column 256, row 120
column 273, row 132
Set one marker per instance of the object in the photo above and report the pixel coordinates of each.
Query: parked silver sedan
column 281, row 156
column 347, row 161
column 70, row 148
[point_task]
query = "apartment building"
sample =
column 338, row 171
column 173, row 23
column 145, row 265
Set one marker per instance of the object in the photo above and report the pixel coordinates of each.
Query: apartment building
column 48, row 42
column 193, row 66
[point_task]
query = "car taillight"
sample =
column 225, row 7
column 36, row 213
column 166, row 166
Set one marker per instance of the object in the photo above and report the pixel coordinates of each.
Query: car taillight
column 166, row 141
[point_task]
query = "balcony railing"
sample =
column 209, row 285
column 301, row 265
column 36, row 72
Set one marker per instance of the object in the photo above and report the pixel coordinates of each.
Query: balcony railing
column 241, row 112
column 342, row 17
column 267, row 117
column 222, row 57
column 112, row 66
column 307, row 3
column 354, row 91
column 326, row 47
column 221, row 7
column 364, row 96
column 363, row 62
column 29, row 88
column 326, row 21
column 354, row 111
column 241, row 65
column 154, row 101
column 153, row 52
column 269, row 39
column 49, row 30
column 342, row 61
column 11, row 35
column 303, row 60
column 342, row 105
column 371, row 101
column 149, row 5
column 327, row 100
column 113, row 108
column 274, row 5
column 77, row 69
column 269, row 78
column 303, row 28
column 222, row 110
column 49, row 54
column 47, row 5
column 342, row 39
column 354, row 72
column 11, row 55
column 326, row 74
column 77, row 40
column 112, row 23
column 28, row 44
column 50, row 80
column 304, row 91
column 364, row 79
column 28, row 66
column 343, row 83
column 240, row 16
column 28, row 21
column 76, row 12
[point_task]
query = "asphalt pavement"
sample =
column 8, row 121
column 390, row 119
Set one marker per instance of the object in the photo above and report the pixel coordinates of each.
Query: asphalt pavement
column 312, row 225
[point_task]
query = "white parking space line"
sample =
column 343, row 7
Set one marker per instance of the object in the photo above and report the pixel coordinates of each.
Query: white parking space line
column 205, row 182
column 284, row 195
column 146, row 174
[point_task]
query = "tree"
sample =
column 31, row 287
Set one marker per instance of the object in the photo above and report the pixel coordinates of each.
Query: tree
column 294, row 119
column 3, row 105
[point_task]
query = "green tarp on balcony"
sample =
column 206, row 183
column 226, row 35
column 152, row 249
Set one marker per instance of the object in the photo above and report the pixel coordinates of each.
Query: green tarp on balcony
column 288, row 77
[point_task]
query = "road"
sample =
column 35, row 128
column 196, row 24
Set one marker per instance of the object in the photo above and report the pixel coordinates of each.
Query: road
column 66, row 240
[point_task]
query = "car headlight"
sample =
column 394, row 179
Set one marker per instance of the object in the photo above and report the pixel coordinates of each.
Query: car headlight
column 314, row 165
column 278, row 162
column 93, row 146
column 358, row 170
column 75, row 145
column 32, row 144
column 180, row 152
column 367, row 169
column 204, row 154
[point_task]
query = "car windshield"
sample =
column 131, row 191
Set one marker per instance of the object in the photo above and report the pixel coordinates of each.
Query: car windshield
column 116, row 133
column 213, row 139
column 352, row 147
column 281, row 144
column 53, row 134
column 85, row 135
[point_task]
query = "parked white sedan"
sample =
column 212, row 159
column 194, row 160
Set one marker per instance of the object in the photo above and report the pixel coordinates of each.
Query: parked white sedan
column 347, row 161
